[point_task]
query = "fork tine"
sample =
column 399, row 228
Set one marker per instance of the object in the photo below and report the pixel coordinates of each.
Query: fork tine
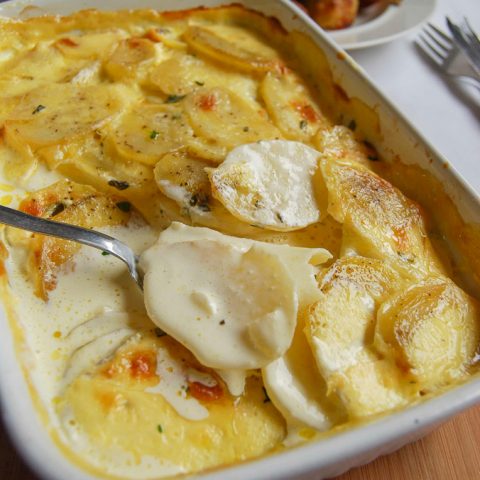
column 469, row 31
column 447, row 41
column 472, row 39
column 433, row 49
column 427, row 52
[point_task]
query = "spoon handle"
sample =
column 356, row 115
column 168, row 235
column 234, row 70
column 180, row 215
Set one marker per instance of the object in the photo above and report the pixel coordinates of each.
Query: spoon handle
column 103, row 242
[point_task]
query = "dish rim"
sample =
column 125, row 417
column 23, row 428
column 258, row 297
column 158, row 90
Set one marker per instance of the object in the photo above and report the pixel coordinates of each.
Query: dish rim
column 347, row 448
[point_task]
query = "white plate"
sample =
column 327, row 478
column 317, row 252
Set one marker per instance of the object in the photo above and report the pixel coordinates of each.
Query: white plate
column 375, row 26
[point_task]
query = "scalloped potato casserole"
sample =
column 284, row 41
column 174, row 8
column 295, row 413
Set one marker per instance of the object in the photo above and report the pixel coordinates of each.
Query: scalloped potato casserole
column 290, row 291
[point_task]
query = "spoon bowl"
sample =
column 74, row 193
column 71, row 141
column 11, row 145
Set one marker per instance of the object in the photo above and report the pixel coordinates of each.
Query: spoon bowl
column 103, row 242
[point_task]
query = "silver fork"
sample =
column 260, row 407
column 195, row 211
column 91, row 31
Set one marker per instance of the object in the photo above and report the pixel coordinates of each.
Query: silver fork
column 439, row 48
column 467, row 40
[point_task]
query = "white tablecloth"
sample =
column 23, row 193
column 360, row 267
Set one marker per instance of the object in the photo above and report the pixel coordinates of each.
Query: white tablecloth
column 448, row 117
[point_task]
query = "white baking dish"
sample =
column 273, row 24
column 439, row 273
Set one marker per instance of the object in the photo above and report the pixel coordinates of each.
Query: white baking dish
column 320, row 459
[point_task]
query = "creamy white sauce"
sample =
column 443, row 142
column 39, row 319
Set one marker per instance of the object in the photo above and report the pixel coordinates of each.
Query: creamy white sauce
column 173, row 386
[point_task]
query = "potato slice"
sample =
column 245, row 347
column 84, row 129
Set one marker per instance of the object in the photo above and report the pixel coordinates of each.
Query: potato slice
column 72, row 203
column 223, row 117
column 212, row 44
column 340, row 328
column 41, row 65
column 88, row 46
column 90, row 161
column 127, row 59
column 269, row 184
column 183, row 73
column 297, row 388
column 432, row 329
column 56, row 113
column 291, row 106
column 379, row 221
column 183, row 179
column 339, row 142
column 19, row 162
column 124, row 398
column 149, row 131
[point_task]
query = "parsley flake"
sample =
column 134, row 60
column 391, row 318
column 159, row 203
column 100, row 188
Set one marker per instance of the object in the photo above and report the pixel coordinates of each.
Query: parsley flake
column 267, row 398
column 159, row 332
column 118, row 184
column 105, row 253
column 174, row 98
column 200, row 84
column 154, row 134
column 159, row 428
column 38, row 109
column 124, row 206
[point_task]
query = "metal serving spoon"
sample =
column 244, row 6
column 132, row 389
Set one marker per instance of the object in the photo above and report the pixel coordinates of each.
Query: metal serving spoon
column 103, row 242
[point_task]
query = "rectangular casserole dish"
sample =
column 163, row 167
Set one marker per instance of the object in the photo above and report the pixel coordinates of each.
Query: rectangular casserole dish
column 326, row 458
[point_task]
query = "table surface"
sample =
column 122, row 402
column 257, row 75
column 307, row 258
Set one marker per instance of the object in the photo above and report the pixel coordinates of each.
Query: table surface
column 449, row 116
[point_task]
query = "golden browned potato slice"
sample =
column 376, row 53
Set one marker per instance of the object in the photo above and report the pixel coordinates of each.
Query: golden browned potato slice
column 41, row 65
column 89, row 45
column 213, row 44
column 339, row 142
column 182, row 73
column 149, row 131
column 72, row 203
column 269, row 184
column 291, row 106
column 379, row 221
column 57, row 113
column 333, row 14
column 18, row 160
column 221, row 116
column 178, row 411
column 90, row 161
column 183, row 179
column 340, row 328
column 432, row 329
column 129, row 57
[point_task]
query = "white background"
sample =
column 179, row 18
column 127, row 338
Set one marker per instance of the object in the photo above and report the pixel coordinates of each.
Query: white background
column 446, row 113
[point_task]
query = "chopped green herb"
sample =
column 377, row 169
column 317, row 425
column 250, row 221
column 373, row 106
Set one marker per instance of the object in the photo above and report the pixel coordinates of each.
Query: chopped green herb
column 159, row 428
column 174, row 98
column 303, row 124
column 267, row 398
column 159, row 332
column 105, row 253
column 246, row 129
column 352, row 125
column 373, row 158
column 200, row 84
column 118, row 184
column 154, row 134
column 38, row 108
column 279, row 216
column 124, row 206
